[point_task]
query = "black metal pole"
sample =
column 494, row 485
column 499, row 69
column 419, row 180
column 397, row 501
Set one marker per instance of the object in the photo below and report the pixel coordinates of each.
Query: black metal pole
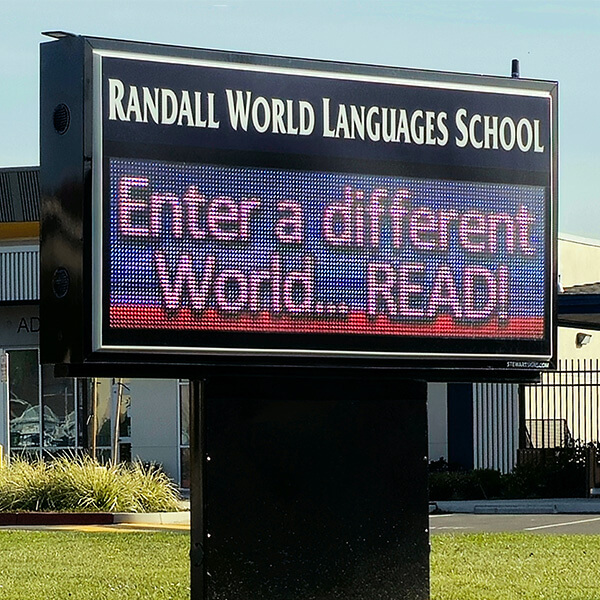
column 197, row 459
column 515, row 71
column 522, row 424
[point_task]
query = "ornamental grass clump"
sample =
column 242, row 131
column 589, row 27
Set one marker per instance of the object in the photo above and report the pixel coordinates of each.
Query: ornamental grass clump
column 24, row 486
column 152, row 488
column 82, row 484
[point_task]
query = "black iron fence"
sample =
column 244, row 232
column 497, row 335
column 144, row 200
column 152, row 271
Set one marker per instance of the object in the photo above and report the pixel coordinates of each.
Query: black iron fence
column 564, row 408
column 560, row 420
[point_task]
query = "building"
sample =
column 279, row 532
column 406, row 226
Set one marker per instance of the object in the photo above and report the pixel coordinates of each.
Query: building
column 44, row 415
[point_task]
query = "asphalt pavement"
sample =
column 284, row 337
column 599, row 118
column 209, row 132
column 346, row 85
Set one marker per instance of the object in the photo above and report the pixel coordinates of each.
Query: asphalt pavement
column 566, row 524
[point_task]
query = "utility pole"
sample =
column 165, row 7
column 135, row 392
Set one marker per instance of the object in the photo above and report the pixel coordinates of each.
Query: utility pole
column 94, row 416
column 114, row 455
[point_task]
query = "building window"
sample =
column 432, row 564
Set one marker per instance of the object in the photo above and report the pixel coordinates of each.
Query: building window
column 43, row 418
column 24, row 401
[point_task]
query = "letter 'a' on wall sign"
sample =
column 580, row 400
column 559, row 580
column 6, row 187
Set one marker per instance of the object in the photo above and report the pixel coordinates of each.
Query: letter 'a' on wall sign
column 212, row 208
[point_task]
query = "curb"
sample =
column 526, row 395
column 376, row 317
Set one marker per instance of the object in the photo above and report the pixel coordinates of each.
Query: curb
column 174, row 518
column 520, row 507
column 48, row 518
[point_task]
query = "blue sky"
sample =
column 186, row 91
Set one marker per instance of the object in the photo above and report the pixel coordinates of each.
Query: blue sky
column 554, row 40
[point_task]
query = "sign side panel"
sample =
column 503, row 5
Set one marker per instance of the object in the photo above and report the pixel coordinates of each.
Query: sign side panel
column 62, row 183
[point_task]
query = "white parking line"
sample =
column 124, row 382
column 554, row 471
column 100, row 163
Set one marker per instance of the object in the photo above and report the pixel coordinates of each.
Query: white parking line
column 561, row 524
column 446, row 515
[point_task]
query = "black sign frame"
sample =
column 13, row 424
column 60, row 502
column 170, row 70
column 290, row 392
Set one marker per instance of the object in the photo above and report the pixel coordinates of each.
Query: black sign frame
column 74, row 183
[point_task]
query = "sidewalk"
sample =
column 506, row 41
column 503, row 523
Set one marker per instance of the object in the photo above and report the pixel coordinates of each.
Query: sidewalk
column 97, row 522
column 549, row 506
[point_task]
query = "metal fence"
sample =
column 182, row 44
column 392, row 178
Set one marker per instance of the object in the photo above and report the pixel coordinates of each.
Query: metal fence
column 564, row 409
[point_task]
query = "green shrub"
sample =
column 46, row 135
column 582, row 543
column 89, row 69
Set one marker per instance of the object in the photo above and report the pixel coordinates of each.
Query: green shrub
column 82, row 484
column 555, row 473
column 542, row 473
column 479, row 484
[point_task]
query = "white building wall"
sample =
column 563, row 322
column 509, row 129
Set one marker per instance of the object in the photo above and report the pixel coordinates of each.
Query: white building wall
column 495, row 426
column 579, row 263
column 578, row 260
column 437, row 419
column 154, row 422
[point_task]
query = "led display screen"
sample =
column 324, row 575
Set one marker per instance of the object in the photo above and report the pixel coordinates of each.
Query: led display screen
column 202, row 247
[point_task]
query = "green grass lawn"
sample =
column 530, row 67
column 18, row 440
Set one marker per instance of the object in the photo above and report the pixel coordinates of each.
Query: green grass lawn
column 54, row 565
column 514, row 567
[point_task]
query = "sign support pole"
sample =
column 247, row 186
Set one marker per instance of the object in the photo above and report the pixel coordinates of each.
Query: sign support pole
column 309, row 488
column 197, row 457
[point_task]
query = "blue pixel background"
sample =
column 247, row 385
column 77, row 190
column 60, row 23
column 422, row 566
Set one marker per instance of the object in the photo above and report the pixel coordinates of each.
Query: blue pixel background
column 340, row 274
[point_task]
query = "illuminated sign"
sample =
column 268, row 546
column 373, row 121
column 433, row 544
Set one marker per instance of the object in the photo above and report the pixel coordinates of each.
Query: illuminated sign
column 197, row 247
column 283, row 211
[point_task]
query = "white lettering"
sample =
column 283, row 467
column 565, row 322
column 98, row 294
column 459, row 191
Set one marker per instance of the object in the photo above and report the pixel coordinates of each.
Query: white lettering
column 239, row 108
column 116, row 91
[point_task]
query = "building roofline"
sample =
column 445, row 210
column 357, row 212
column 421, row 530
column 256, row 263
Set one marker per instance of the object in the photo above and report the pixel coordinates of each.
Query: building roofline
column 567, row 237
column 18, row 169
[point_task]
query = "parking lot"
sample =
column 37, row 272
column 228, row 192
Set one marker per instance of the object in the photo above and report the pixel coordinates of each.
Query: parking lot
column 540, row 524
